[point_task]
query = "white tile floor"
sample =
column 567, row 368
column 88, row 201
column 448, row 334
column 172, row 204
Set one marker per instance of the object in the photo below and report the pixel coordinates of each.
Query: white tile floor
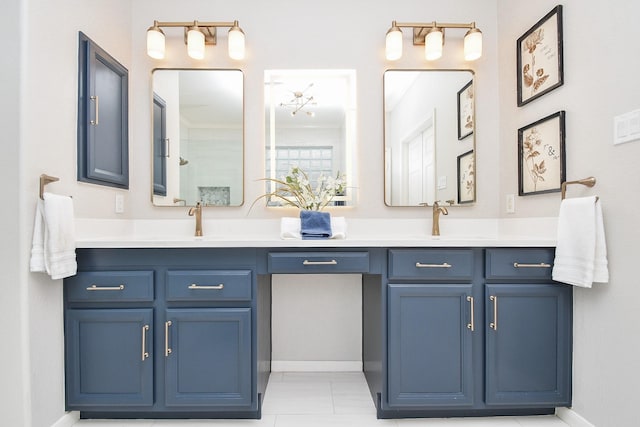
column 326, row 399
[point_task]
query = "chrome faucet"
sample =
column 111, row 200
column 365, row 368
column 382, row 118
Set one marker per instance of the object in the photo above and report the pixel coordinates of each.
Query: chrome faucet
column 437, row 210
column 197, row 211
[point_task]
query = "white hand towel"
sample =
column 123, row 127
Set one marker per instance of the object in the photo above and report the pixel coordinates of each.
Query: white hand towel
column 290, row 228
column 581, row 252
column 54, row 244
column 37, row 244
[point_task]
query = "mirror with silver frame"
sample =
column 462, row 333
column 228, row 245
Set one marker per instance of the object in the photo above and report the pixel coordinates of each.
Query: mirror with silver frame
column 198, row 137
column 310, row 123
column 429, row 137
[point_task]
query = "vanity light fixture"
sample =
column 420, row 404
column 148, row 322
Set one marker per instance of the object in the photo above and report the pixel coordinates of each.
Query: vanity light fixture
column 196, row 35
column 431, row 35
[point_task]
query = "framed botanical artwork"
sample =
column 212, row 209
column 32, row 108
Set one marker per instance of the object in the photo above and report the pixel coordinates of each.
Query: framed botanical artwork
column 541, row 155
column 467, row 177
column 465, row 111
column 539, row 58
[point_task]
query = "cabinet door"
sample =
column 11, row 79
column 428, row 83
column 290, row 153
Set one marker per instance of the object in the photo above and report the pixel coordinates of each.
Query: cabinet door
column 108, row 360
column 103, row 130
column 208, row 357
column 528, row 344
column 430, row 346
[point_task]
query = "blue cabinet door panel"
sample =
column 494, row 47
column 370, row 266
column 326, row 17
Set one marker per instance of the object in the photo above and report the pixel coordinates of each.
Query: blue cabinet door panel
column 103, row 127
column 528, row 345
column 105, row 364
column 210, row 359
column 430, row 350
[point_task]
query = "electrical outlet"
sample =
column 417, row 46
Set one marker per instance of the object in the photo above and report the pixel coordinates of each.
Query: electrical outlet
column 511, row 203
column 119, row 206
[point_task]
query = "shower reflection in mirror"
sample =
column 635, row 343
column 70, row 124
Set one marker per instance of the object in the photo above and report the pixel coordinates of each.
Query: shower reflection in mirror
column 198, row 137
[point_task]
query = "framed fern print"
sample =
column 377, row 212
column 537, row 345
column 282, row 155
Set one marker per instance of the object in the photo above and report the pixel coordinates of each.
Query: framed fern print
column 541, row 155
column 466, row 177
column 540, row 58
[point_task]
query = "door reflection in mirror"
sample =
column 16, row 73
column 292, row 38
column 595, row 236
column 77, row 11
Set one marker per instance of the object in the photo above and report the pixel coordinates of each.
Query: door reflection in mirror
column 421, row 139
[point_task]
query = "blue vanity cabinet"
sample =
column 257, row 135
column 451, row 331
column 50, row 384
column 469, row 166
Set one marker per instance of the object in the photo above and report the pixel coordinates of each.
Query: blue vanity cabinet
column 430, row 328
column 103, row 130
column 109, row 333
column 475, row 332
column 430, row 345
column 528, row 331
column 167, row 333
column 208, row 348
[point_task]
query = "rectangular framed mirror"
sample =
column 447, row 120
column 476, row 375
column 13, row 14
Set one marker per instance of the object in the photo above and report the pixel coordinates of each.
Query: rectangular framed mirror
column 197, row 137
column 429, row 137
column 310, row 123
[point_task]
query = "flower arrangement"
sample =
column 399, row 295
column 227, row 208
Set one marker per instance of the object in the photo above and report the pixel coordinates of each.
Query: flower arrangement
column 295, row 189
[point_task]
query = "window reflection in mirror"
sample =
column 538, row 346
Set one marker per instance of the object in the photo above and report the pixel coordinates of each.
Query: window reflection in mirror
column 427, row 157
column 198, row 137
column 310, row 123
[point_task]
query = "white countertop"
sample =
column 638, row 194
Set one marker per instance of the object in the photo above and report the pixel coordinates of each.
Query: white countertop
column 97, row 233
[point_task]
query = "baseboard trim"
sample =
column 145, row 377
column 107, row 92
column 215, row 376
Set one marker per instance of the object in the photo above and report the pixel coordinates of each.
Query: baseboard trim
column 316, row 366
column 67, row 420
column 572, row 418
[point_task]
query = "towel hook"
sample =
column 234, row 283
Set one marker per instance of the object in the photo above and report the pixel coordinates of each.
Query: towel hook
column 589, row 182
column 44, row 180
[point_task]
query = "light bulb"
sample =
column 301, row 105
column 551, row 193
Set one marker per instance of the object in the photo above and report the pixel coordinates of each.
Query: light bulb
column 195, row 43
column 155, row 42
column 473, row 44
column 393, row 46
column 236, row 42
column 433, row 44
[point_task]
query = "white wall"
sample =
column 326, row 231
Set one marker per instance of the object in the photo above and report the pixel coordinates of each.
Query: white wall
column 39, row 136
column 600, row 82
column 14, row 399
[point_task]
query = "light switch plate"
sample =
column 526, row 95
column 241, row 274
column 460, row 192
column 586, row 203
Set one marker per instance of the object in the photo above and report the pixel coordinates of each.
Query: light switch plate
column 119, row 207
column 442, row 182
column 626, row 127
column 511, row 203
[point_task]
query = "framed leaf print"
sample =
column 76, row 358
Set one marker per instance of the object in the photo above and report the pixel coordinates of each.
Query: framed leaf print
column 465, row 111
column 541, row 155
column 466, row 177
column 540, row 58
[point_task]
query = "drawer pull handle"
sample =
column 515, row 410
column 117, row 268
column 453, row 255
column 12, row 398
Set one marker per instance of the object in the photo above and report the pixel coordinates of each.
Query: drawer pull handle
column 471, row 324
column 167, row 350
column 494, row 325
column 95, row 99
column 307, row 262
column 205, row 287
column 540, row 265
column 145, row 353
column 443, row 265
column 105, row 288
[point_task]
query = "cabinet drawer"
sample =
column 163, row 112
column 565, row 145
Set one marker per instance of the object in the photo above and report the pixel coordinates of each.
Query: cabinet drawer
column 318, row 262
column 530, row 263
column 110, row 286
column 209, row 285
column 434, row 264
